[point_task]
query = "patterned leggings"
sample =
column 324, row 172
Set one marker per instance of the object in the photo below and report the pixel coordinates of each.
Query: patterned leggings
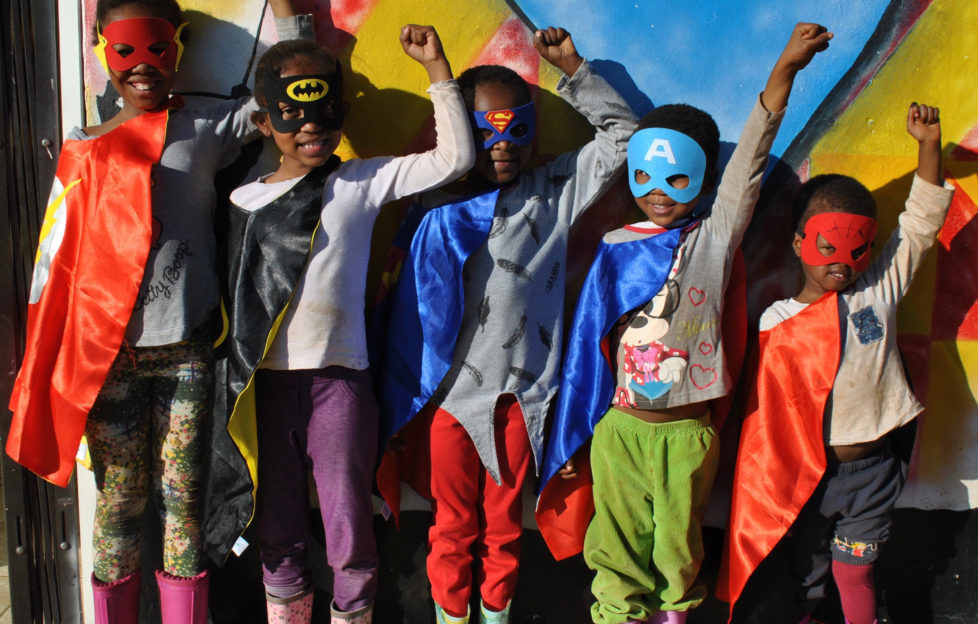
column 148, row 423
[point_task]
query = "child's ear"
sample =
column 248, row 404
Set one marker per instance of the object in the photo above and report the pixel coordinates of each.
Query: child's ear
column 796, row 243
column 261, row 120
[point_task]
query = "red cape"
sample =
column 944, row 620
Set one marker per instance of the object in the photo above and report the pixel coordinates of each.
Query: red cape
column 93, row 249
column 781, row 457
column 565, row 506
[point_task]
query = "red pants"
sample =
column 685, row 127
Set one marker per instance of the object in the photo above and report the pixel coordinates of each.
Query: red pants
column 473, row 515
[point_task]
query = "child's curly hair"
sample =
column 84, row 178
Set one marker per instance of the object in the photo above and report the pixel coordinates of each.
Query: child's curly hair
column 484, row 74
column 282, row 52
column 831, row 192
column 169, row 8
column 691, row 121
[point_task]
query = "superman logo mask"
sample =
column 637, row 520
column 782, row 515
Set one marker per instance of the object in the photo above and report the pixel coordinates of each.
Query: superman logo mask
column 516, row 125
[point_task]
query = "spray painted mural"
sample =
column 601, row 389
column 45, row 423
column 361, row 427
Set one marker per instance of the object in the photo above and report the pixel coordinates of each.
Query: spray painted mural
column 846, row 115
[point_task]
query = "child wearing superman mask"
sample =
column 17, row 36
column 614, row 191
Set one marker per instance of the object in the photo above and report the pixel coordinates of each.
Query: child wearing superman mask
column 647, row 360
column 830, row 387
column 131, row 219
column 474, row 336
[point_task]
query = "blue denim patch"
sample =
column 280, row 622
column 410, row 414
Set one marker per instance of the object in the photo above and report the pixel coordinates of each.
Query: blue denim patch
column 867, row 325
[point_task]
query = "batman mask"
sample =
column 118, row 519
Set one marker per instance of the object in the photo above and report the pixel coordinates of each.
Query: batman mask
column 319, row 98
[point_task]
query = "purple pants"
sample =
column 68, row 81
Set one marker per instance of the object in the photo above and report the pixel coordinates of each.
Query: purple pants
column 325, row 419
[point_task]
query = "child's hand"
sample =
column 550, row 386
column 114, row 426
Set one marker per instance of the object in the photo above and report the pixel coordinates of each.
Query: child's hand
column 924, row 124
column 423, row 45
column 396, row 444
column 568, row 470
column 805, row 42
column 556, row 47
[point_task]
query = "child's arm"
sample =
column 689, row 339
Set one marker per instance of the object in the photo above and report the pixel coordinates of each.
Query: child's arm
column 924, row 124
column 423, row 45
column 891, row 272
column 281, row 8
column 805, row 42
column 586, row 173
column 741, row 182
column 555, row 46
column 288, row 24
column 385, row 179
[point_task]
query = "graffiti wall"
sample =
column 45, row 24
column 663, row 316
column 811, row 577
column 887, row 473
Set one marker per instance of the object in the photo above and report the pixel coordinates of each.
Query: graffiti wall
column 847, row 115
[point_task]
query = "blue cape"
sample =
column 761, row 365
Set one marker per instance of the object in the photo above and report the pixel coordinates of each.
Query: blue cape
column 426, row 307
column 623, row 277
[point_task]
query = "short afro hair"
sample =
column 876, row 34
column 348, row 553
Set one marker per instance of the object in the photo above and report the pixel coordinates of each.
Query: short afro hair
column 831, row 192
column 484, row 74
column 282, row 52
column 168, row 8
column 691, row 121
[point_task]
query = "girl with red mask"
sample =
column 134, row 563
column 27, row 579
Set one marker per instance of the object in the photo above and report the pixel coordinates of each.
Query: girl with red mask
column 123, row 304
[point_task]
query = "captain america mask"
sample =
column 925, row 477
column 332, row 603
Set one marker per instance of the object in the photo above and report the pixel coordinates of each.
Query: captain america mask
column 516, row 125
column 851, row 236
column 318, row 96
column 126, row 43
column 665, row 154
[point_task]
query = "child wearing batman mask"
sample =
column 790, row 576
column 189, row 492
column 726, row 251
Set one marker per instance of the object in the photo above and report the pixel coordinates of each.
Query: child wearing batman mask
column 646, row 341
column 474, row 337
column 123, row 303
column 296, row 371
column 830, row 388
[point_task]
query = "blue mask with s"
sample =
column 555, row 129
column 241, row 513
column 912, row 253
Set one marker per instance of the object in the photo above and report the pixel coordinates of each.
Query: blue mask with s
column 516, row 125
column 663, row 154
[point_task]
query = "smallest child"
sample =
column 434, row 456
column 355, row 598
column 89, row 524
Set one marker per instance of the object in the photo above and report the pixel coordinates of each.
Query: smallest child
column 814, row 465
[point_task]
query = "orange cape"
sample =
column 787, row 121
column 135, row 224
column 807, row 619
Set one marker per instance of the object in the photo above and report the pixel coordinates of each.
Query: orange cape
column 93, row 249
column 781, row 457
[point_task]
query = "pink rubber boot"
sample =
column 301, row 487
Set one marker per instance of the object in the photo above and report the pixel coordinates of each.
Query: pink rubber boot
column 295, row 609
column 117, row 602
column 669, row 617
column 183, row 600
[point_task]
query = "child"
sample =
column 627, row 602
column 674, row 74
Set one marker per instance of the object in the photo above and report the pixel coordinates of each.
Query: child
column 126, row 280
column 476, row 322
column 656, row 291
column 827, row 395
column 301, row 323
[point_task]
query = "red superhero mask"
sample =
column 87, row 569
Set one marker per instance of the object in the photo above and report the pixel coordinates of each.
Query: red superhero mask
column 851, row 235
column 144, row 35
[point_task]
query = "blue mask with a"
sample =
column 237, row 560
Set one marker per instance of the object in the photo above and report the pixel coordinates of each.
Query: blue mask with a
column 663, row 154
column 516, row 125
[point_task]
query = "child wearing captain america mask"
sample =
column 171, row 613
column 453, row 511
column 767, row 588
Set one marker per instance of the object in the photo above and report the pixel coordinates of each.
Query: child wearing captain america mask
column 829, row 389
column 646, row 357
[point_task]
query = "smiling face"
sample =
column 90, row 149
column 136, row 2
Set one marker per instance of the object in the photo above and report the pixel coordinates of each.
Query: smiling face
column 502, row 162
column 820, row 279
column 143, row 87
column 661, row 209
column 312, row 144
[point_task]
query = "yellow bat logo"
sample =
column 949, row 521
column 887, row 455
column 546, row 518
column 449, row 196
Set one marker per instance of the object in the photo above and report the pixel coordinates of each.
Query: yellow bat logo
column 307, row 90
